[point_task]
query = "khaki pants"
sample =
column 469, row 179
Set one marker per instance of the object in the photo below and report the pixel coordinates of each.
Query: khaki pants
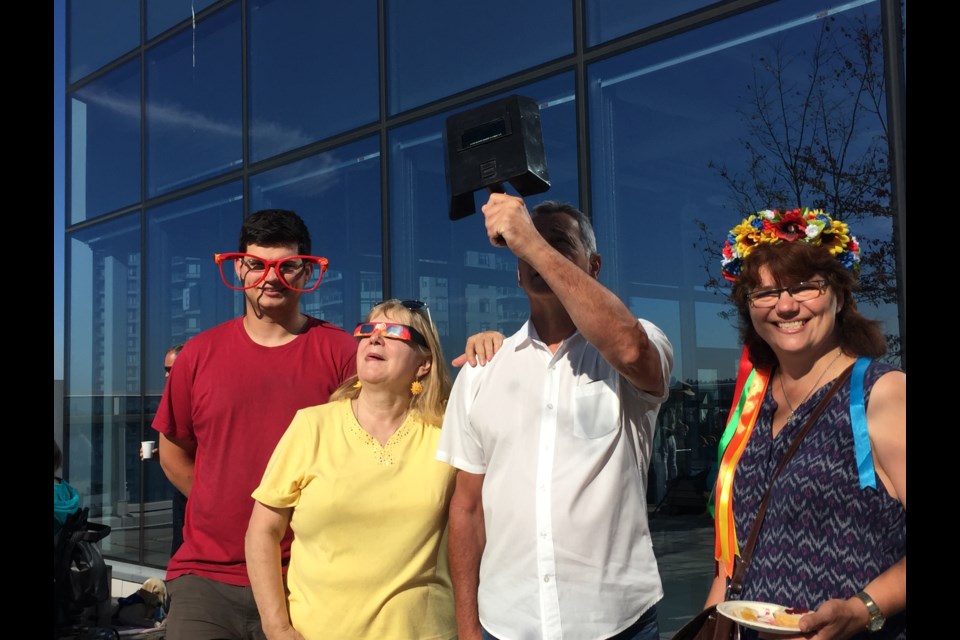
column 204, row 609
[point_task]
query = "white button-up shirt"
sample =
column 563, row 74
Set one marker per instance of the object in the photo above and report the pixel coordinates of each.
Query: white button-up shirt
column 563, row 441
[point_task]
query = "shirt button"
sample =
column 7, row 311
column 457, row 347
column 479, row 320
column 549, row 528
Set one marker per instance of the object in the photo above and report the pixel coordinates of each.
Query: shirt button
column 546, row 578
column 549, row 406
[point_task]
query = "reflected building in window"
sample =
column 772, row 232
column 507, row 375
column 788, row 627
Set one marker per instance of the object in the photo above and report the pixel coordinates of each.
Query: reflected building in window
column 186, row 299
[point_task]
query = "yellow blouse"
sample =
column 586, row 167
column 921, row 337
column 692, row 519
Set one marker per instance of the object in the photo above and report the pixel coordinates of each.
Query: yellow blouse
column 369, row 555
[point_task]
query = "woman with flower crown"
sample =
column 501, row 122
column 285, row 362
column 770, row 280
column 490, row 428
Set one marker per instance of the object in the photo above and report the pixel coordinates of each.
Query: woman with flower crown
column 833, row 536
column 357, row 482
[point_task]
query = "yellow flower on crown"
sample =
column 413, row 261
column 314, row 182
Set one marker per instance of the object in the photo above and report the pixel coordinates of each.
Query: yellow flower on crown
column 747, row 236
column 836, row 237
column 772, row 226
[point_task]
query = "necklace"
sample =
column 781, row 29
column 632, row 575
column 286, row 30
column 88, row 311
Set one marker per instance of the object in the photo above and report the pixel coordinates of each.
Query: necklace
column 392, row 426
column 813, row 388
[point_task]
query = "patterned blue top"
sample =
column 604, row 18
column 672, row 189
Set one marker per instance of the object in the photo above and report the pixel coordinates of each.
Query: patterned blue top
column 823, row 537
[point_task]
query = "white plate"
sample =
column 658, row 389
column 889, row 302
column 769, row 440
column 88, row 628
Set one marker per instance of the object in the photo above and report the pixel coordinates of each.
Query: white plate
column 764, row 610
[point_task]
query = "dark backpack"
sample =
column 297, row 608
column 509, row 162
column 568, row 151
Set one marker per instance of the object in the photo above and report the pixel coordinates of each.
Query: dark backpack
column 80, row 575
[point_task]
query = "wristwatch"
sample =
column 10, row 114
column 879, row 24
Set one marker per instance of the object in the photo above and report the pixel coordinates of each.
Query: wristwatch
column 876, row 616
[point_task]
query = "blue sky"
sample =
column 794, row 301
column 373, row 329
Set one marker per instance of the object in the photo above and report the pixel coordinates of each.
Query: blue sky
column 59, row 60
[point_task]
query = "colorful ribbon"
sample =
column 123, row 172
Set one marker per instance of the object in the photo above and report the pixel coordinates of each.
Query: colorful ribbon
column 743, row 372
column 743, row 416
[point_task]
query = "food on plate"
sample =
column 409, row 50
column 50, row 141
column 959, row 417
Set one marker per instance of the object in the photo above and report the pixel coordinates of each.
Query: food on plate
column 764, row 616
column 771, row 615
column 789, row 617
column 784, row 619
column 756, row 614
column 746, row 613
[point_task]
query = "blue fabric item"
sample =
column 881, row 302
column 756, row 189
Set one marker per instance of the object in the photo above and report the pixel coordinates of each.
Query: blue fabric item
column 126, row 601
column 858, row 419
column 645, row 628
column 66, row 500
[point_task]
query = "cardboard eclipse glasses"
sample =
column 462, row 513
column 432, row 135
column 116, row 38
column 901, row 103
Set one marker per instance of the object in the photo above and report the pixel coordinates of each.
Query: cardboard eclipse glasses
column 393, row 330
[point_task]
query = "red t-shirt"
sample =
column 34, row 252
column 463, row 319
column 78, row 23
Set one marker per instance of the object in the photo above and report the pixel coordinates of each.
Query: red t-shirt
column 235, row 398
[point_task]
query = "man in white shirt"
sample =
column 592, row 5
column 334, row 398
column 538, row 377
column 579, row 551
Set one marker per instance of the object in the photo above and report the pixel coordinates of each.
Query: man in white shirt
column 552, row 438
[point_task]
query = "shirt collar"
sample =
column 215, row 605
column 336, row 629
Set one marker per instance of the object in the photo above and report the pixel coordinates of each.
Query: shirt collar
column 527, row 336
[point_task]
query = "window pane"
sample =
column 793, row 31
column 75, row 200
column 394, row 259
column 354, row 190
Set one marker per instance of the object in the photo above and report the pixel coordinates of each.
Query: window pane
column 103, row 395
column 463, row 45
column 100, row 31
column 296, row 95
column 685, row 139
column 104, row 281
column 469, row 285
column 193, row 104
column 163, row 14
column 609, row 19
column 185, row 294
column 338, row 195
column 105, row 144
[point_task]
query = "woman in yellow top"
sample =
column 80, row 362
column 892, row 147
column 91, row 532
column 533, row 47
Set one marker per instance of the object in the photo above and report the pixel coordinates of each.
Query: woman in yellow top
column 357, row 482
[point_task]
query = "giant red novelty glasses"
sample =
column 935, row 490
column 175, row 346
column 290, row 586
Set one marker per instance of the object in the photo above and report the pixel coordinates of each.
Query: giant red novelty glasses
column 393, row 330
column 299, row 273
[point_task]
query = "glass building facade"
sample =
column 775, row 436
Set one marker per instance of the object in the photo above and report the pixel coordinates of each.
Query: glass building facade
column 665, row 121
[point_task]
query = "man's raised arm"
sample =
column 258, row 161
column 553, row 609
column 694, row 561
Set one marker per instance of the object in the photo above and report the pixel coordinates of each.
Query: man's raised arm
column 602, row 318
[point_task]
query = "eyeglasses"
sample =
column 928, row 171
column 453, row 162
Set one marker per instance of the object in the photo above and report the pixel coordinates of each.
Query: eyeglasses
column 298, row 273
column 413, row 305
column 393, row 330
column 167, row 369
column 801, row 292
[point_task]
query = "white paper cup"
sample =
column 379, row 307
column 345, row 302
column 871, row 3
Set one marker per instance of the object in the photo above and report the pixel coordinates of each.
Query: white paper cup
column 147, row 448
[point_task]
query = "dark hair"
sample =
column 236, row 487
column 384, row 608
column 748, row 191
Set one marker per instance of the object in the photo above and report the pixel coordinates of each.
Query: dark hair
column 587, row 237
column 57, row 457
column 177, row 348
column 274, row 228
column 792, row 262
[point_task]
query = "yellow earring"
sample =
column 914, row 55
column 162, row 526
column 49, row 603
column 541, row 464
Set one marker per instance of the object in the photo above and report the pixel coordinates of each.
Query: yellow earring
column 357, row 384
column 416, row 388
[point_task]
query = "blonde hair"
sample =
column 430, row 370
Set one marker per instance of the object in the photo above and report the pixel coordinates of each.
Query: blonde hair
column 431, row 404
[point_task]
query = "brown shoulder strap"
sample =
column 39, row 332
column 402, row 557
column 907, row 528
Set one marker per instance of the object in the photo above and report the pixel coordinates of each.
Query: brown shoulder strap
column 736, row 585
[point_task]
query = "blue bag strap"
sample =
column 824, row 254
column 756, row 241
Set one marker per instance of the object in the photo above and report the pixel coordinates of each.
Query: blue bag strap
column 858, row 420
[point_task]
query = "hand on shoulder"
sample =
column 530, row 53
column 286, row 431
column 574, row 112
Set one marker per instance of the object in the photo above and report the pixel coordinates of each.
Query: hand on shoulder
column 480, row 347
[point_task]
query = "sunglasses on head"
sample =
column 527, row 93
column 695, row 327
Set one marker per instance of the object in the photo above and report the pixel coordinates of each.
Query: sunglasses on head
column 393, row 330
column 413, row 305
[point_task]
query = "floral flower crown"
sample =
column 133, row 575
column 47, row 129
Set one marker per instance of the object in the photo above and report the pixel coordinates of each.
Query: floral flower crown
column 772, row 226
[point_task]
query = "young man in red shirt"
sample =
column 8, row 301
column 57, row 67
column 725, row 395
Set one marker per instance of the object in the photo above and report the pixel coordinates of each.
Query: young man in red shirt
column 232, row 394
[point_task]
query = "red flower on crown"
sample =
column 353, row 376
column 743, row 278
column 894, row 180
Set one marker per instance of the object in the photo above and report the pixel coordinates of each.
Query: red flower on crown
column 790, row 227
